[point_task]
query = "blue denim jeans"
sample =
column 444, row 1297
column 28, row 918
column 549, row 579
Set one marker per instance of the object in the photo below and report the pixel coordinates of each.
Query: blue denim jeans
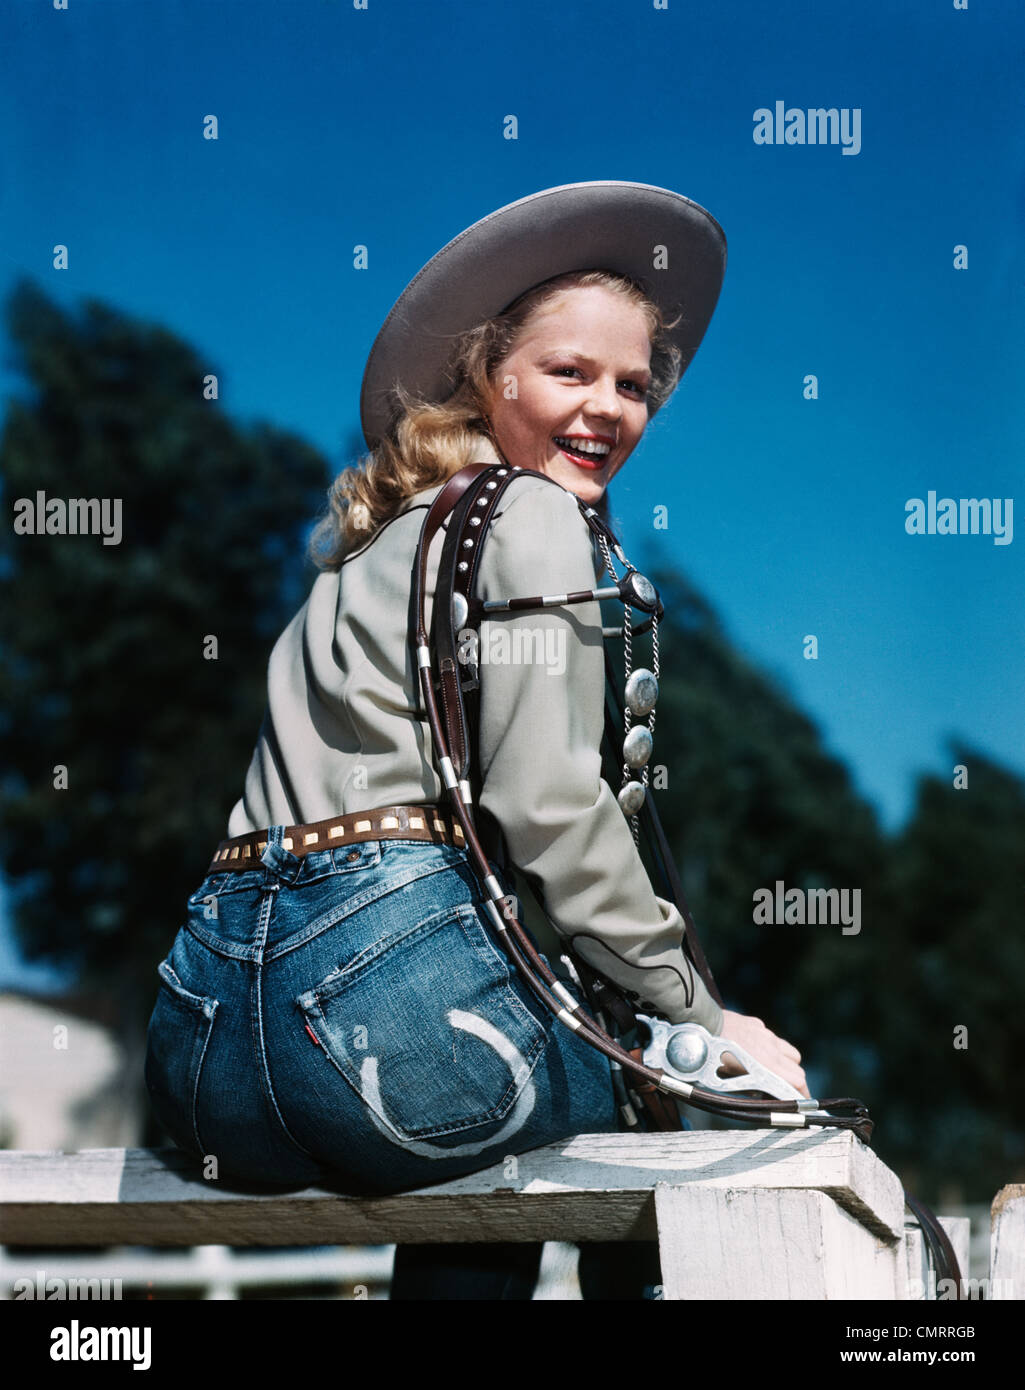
column 347, row 1017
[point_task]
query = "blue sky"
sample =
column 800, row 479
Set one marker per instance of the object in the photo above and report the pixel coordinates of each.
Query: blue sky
column 383, row 127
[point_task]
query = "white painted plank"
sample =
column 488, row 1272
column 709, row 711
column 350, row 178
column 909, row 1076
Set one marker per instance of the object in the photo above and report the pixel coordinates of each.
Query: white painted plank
column 729, row 1244
column 1007, row 1242
column 590, row 1183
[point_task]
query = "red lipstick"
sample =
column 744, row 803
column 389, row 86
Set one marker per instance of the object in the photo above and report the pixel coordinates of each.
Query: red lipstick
column 592, row 462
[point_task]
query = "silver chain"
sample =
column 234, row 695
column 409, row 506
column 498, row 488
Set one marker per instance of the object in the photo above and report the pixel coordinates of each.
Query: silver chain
column 655, row 672
column 628, row 774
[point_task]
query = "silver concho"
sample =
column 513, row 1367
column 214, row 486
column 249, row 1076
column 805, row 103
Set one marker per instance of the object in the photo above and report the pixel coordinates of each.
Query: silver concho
column 637, row 746
column 641, row 691
column 643, row 589
column 686, row 1051
column 460, row 610
column 631, row 798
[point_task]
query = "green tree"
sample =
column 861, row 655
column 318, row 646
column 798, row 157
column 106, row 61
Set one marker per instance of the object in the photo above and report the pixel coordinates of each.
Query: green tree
column 948, row 975
column 107, row 660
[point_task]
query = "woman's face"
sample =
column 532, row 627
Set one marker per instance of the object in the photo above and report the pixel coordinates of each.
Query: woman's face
column 576, row 380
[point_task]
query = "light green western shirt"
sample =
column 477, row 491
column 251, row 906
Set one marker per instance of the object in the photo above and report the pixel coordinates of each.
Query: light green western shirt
column 343, row 732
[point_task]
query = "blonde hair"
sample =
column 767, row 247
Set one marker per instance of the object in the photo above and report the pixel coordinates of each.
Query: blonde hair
column 430, row 441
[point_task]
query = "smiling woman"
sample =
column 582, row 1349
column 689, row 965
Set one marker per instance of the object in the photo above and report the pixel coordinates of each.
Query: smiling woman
column 510, row 378
column 337, row 1006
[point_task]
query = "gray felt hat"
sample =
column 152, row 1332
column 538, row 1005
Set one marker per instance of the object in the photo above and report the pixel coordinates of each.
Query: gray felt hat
column 607, row 225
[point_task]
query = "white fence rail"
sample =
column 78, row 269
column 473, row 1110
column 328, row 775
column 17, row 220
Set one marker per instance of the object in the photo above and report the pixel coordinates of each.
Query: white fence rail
column 737, row 1214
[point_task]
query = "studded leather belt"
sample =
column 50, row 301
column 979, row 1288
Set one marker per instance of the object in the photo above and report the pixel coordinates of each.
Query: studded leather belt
column 383, row 823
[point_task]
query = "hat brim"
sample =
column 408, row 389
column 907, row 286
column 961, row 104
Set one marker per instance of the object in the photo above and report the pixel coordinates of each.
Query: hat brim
column 630, row 228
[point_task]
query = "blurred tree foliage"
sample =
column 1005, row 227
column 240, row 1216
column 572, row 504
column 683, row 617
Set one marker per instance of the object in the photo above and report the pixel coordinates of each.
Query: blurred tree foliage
column 102, row 669
column 953, row 957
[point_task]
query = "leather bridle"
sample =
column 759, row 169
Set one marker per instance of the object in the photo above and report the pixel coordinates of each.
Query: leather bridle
column 449, row 683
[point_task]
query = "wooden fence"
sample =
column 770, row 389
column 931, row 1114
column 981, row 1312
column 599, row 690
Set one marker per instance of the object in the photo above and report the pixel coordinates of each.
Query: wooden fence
column 748, row 1214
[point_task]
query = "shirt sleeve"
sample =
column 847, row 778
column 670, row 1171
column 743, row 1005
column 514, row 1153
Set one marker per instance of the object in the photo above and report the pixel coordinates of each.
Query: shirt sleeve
column 542, row 694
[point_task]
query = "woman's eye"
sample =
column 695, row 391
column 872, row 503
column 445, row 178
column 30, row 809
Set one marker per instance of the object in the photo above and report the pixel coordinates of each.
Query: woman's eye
column 634, row 386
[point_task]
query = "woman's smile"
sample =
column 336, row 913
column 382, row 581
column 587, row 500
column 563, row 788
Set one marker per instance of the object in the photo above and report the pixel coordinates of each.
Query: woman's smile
column 590, row 451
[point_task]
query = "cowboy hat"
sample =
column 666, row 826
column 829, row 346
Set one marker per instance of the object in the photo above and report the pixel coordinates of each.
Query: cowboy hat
column 671, row 246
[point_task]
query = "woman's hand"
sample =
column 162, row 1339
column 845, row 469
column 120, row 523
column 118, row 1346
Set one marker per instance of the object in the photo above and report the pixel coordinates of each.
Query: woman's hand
column 764, row 1046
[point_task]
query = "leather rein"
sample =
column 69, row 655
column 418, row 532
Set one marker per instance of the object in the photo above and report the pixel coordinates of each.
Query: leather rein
column 450, row 687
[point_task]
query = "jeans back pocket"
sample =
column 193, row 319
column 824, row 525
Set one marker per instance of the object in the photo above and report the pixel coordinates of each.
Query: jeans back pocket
column 428, row 1029
column 177, row 1041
